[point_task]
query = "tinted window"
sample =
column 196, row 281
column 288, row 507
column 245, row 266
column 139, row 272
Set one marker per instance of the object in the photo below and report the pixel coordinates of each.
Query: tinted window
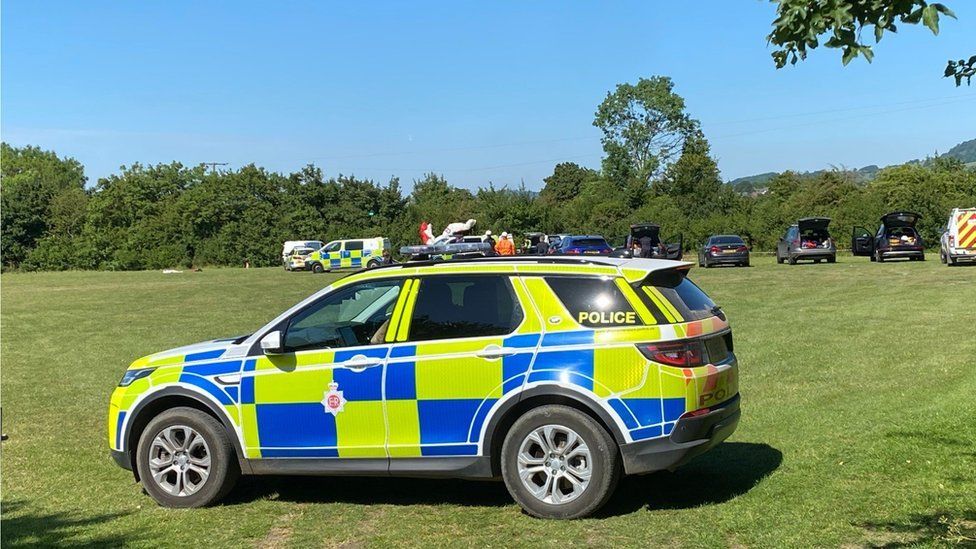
column 594, row 302
column 358, row 315
column 354, row 245
column 464, row 306
column 688, row 299
column 587, row 242
column 332, row 247
column 726, row 240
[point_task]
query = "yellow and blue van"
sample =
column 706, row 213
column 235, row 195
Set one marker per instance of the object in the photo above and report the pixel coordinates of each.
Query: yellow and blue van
column 357, row 253
column 557, row 375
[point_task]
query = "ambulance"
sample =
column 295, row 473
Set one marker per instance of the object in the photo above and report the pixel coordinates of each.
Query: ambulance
column 959, row 238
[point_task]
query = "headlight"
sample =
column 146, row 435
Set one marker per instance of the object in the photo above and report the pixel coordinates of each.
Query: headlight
column 132, row 375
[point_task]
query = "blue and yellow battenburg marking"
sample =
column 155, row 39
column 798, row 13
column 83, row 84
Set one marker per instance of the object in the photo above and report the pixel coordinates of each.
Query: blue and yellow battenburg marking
column 435, row 398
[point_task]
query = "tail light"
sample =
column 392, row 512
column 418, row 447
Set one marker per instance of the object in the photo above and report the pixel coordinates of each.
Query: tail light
column 742, row 249
column 715, row 250
column 952, row 241
column 572, row 251
column 681, row 354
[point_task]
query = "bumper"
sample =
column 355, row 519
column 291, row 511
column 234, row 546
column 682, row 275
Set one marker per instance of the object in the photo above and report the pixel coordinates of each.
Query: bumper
column 902, row 253
column 691, row 437
column 814, row 253
column 722, row 259
column 962, row 255
column 121, row 459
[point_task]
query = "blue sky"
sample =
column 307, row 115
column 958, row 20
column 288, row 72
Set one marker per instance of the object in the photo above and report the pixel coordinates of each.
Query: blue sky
column 480, row 92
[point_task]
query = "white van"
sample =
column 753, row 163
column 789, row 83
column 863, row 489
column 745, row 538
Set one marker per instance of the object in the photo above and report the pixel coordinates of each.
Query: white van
column 959, row 238
column 290, row 245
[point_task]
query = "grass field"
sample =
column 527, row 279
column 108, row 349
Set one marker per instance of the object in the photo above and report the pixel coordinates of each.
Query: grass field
column 859, row 422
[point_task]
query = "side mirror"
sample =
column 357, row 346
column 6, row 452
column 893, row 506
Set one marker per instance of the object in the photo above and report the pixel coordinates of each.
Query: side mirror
column 271, row 343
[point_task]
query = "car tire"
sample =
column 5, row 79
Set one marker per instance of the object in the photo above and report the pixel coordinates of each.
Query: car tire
column 528, row 437
column 203, row 439
column 942, row 257
column 372, row 264
column 921, row 257
column 832, row 259
column 317, row 268
column 779, row 259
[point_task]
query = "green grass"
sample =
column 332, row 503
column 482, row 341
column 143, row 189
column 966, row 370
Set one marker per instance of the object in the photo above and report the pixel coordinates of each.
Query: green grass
column 859, row 422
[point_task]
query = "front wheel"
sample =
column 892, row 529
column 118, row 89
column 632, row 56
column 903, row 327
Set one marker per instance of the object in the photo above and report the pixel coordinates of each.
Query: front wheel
column 558, row 462
column 317, row 268
column 186, row 459
column 372, row 264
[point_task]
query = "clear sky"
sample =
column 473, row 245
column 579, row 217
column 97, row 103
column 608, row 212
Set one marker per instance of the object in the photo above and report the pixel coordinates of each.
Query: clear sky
column 480, row 92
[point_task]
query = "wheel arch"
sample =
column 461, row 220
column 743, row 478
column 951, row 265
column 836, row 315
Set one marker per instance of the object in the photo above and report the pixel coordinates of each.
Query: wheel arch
column 503, row 419
column 166, row 399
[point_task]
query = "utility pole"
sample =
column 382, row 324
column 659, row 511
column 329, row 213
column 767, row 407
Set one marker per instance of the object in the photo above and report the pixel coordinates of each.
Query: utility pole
column 213, row 165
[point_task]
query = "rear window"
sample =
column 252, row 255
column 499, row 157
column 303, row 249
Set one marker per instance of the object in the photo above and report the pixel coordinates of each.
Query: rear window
column 594, row 302
column 588, row 242
column 727, row 240
column 689, row 300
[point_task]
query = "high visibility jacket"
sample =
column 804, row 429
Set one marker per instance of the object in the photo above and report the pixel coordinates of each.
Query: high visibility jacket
column 505, row 247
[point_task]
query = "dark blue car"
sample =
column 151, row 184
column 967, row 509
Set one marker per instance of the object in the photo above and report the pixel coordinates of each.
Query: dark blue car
column 584, row 245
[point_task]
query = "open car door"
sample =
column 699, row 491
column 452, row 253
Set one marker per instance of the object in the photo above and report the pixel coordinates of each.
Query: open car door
column 674, row 247
column 862, row 241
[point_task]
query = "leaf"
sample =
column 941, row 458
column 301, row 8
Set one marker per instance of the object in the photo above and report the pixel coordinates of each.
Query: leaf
column 849, row 54
column 943, row 9
column 878, row 32
column 867, row 53
column 930, row 17
column 913, row 17
column 972, row 60
column 950, row 70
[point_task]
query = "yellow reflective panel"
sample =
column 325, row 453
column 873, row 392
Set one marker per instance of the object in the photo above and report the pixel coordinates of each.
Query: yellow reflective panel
column 361, row 429
column 531, row 324
column 404, row 428
column 554, row 314
column 635, row 302
column 391, row 330
column 299, row 385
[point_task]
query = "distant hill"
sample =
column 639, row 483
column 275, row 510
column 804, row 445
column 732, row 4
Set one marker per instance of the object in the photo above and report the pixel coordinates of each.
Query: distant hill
column 756, row 184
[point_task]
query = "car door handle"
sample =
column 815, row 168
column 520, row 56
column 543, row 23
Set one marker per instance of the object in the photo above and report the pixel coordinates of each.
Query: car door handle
column 361, row 362
column 494, row 351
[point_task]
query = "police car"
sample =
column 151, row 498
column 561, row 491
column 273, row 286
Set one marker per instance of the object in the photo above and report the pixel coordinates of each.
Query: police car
column 557, row 375
column 355, row 253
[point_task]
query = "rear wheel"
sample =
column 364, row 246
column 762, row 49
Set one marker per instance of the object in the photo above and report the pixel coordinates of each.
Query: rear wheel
column 779, row 259
column 186, row 459
column 921, row 257
column 832, row 259
column 558, row 462
column 372, row 264
column 942, row 257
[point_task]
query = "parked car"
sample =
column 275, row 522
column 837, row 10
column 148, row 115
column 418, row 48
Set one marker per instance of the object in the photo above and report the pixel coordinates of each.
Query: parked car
column 896, row 237
column 296, row 260
column 554, row 241
column 348, row 254
column 672, row 248
column 557, row 375
column 584, row 245
column 290, row 245
column 808, row 239
column 959, row 239
column 723, row 249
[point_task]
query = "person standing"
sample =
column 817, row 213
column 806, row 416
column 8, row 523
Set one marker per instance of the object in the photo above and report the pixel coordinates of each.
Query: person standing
column 542, row 247
column 505, row 245
column 646, row 246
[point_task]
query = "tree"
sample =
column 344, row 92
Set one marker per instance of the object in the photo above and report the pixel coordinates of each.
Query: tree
column 695, row 182
column 565, row 182
column 644, row 127
column 800, row 24
column 34, row 182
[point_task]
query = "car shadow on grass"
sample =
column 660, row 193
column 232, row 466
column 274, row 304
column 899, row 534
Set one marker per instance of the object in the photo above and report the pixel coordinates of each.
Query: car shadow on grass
column 24, row 527
column 370, row 491
column 721, row 474
column 726, row 471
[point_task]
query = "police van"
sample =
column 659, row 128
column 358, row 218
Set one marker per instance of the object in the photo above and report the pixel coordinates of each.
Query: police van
column 556, row 375
column 356, row 253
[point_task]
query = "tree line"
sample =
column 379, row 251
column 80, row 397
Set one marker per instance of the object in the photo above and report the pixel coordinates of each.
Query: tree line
column 657, row 167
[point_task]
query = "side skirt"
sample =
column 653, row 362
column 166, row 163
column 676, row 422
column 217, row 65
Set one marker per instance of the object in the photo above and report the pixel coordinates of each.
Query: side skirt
column 476, row 467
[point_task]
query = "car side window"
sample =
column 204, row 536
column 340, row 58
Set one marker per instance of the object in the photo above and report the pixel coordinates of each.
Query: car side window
column 332, row 247
column 594, row 302
column 449, row 307
column 349, row 317
column 354, row 245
